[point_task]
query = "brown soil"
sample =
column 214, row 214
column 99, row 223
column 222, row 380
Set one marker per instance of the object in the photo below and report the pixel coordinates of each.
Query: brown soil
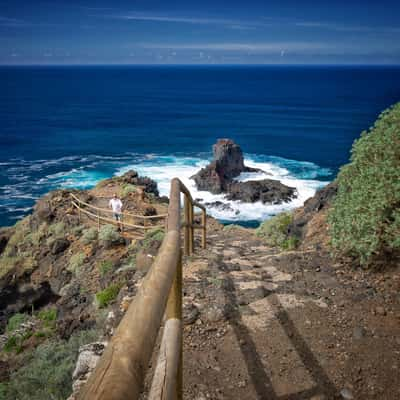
column 267, row 325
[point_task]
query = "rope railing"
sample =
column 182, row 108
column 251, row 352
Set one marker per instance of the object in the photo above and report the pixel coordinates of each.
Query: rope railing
column 121, row 371
column 95, row 213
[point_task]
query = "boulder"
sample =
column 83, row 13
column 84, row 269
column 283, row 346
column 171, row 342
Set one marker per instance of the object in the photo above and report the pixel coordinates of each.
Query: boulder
column 227, row 164
column 59, row 246
column 219, row 205
column 5, row 234
column 43, row 210
column 149, row 211
column 267, row 191
column 89, row 355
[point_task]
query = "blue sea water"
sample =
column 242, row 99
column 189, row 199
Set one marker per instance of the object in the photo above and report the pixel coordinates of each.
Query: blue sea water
column 72, row 126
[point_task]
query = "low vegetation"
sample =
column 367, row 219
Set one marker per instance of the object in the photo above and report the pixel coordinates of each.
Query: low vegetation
column 48, row 317
column 109, row 235
column 89, row 236
column 105, row 266
column 19, row 249
column 152, row 235
column 106, row 296
column 15, row 321
column 365, row 217
column 47, row 372
column 76, row 261
column 127, row 189
column 275, row 231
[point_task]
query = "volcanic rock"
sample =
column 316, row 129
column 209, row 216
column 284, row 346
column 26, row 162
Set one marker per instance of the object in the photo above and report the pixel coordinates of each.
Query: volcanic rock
column 266, row 191
column 59, row 246
column 218, row 177
column 228, row 163
column 321, row 201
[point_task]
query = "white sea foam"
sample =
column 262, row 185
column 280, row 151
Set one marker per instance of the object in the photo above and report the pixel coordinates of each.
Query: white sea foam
column 162, row 170
column 85, row 171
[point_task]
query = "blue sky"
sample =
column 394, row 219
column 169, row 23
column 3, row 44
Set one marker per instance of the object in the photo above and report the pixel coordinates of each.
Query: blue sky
column 206, row 32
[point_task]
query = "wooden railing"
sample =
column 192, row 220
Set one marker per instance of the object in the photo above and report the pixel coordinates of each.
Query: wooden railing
column 126, row 219
column 121, row 370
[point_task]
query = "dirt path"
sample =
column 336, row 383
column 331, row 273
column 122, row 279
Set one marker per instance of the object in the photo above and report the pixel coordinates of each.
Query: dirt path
column 266, row 325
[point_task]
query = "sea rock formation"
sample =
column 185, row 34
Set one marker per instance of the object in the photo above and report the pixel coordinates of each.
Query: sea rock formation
column 228, row 163
column 218, row 177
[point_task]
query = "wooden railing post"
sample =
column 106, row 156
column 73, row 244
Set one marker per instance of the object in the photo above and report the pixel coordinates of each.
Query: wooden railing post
column 191, row 230
column 186, row 231
column 204, row 229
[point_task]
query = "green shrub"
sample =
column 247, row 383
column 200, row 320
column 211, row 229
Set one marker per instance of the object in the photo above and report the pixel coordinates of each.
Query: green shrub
column 47, row 374
column 106, row 296
column 48, row 317
column 275, row 231
column 7, row 263
column 41, row 334
column 127, row 189
column 21, row 234
column 109, row 235
column 3, row 390
column 152, row 235
column 11, row 344
column 15, row 343
column 290, row 243
column 77, row 230
column 89, row 235
column 364, row 221
column 15, row 321
column 76, row 261
column 57, row 230
column 105, row 266
column 36, row 237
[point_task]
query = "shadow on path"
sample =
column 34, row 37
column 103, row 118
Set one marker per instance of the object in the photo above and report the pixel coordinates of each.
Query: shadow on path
column 260, row 380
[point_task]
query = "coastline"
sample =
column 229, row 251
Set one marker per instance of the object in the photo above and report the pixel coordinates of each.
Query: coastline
column 33, row 180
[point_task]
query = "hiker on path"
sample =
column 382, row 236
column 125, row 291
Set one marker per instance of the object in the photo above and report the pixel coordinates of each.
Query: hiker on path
column 116, row 205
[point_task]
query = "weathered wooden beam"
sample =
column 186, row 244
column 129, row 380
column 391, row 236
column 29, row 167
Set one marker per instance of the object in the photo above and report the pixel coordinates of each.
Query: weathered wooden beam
column 165, row 384
column 120, row 372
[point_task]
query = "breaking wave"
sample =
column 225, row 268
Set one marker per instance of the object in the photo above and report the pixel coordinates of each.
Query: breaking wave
column 24, row 181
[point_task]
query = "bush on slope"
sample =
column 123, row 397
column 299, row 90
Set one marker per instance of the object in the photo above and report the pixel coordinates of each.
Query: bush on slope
column 365, row 217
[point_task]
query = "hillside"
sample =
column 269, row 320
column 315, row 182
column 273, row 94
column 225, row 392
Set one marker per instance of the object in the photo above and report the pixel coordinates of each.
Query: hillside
column 270, row 313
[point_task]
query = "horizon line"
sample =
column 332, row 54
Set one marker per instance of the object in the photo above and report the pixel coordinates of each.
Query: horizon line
column 199, row 64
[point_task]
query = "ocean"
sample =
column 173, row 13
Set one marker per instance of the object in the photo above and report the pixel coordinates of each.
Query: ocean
column 63, row 127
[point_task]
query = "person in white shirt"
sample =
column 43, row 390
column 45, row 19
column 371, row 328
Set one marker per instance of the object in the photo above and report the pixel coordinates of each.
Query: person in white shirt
column 116, row 205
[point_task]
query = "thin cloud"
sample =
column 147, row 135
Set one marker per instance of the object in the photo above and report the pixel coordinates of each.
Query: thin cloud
column 240, row 47
column 166, row 18
column 228, row 23
column 346, row 28
column 11, row 22
column 281, row 48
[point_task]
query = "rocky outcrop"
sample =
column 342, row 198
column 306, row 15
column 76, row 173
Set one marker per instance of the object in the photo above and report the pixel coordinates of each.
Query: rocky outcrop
column 228, row 163
column 132, row 178
column 218, row 177
column 267, row 191
column 309, row 221
column 88, row 358
column 5, row 234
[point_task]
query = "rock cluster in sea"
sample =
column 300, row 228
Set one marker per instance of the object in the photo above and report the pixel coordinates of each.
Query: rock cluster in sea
column 228, row 163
